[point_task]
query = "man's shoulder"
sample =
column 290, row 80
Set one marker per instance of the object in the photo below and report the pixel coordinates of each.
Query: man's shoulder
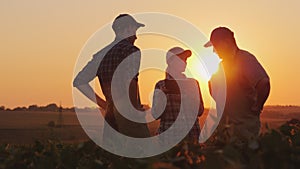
column 192, row 80
column 245, row 57
column 160, row 84
column 127, row 46
column 245, row 54
column 249, row 63
column 102, row 52
column 116, row 46
column 134, row 48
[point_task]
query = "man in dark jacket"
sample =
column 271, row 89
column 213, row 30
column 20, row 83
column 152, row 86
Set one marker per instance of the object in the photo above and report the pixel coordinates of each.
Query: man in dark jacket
column 247, row 85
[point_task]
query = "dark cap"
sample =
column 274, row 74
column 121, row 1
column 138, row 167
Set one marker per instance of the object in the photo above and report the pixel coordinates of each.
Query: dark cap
column 218, row 34
column 179, row 52
column 123, row 21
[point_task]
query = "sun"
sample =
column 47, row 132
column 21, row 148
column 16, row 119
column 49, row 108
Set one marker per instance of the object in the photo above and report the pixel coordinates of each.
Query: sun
column 202, row 68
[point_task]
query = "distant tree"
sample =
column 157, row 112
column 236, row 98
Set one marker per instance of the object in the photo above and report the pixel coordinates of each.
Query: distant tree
column 2, row 108
column 51, row 107
column 20, row 109
column 33, row 108
column 72, row 109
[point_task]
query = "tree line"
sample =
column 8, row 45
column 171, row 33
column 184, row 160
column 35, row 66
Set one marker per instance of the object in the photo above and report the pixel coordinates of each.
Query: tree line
column 50, row 107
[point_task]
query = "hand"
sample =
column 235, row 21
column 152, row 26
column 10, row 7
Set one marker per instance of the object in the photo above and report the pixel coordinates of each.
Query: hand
column 256, row 108
column 145, row 107
column 100, row 102
column 142, row 110
column 142, row 114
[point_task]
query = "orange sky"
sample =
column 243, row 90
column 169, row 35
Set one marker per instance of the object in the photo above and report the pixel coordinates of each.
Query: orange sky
column 41, row 40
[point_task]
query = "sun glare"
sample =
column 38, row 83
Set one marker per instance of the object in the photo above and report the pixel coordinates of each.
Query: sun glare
column 203, row 68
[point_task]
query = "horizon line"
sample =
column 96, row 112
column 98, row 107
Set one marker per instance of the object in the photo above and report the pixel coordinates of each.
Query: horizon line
column 58, row 105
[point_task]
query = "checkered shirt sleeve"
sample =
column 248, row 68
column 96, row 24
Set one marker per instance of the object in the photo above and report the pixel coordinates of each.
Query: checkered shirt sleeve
column 172, row 109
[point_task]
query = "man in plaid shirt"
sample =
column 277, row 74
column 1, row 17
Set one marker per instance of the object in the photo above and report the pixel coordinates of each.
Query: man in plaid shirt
column 104, row 64
column 169, row 87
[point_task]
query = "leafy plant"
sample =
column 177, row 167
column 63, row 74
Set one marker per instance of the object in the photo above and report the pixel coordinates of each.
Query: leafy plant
column 277, row 149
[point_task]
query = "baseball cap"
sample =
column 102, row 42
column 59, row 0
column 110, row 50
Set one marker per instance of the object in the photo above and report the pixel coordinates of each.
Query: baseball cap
column 123, row 21
column 218, row 34
column 178, row 51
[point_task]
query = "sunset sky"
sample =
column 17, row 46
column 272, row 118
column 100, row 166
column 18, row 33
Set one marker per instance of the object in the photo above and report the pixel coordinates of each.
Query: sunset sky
column 41, row 41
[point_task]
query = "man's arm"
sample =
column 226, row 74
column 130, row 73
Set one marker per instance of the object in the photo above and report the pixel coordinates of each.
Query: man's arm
column 258, row 78
column 263, row 91
column 201, row 104
column 88, row 73
column 133, row 71
column 159, row 101
column 88, row 91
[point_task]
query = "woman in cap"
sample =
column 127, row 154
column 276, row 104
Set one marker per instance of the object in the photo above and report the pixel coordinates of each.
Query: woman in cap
column 168, row 95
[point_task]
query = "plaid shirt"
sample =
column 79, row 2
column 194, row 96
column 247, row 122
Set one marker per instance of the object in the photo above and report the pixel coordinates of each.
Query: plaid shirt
column 106, row 61
column 103, row 65
column 172, row 109
column 112, row 60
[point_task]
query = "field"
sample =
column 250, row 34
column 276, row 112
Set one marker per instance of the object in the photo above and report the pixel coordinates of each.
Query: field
column 32, row 139
column 19, row 127
column 25, row 127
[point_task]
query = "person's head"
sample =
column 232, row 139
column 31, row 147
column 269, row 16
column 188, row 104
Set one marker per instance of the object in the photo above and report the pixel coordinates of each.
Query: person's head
column 125, row 26
column 223, row 41
column 177, row 58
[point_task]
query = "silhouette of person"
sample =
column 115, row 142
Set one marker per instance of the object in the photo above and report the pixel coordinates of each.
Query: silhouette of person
column 104, row 64
column 247, row 86
column 176, row 59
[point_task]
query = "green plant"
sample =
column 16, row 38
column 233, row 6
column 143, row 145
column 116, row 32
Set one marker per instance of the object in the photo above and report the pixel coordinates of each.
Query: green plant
column 277, row 149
